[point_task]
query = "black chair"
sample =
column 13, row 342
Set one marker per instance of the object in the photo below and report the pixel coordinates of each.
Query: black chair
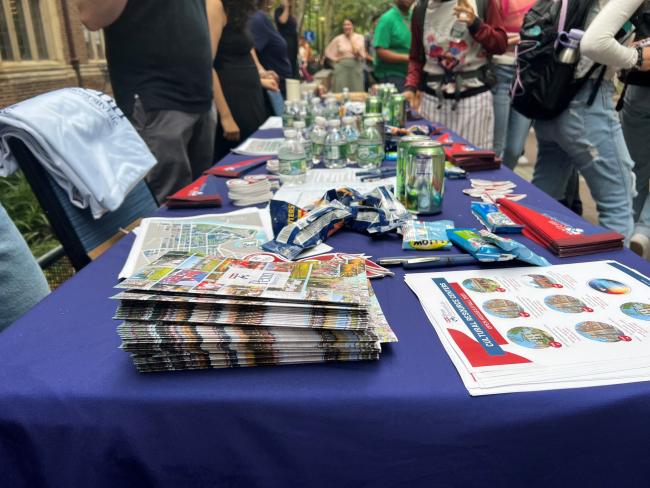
column 76, row 229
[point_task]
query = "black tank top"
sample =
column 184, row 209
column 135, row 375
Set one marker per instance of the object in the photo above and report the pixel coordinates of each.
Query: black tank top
column 160, row 51
column 234, row 49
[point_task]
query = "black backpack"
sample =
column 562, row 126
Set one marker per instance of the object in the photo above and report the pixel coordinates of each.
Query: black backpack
column 544, row 87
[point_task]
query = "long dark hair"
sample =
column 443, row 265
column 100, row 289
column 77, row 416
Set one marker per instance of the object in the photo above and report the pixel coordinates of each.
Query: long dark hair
column 238, row 12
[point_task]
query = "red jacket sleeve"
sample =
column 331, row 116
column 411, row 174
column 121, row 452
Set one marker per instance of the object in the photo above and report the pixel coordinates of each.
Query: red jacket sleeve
column 416, row 56
column 490, row 33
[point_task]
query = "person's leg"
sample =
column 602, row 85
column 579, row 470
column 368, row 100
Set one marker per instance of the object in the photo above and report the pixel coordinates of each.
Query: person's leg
column 553, row 169
column 22, row 283
column 635, row 118
column 201, row 146
column 167, row 134
column 501, row 98
column 593, row 139
column 518, row 130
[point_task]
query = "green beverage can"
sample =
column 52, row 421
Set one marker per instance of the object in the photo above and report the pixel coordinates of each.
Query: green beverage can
column 402, row 152
column 373, row 105
column 398, row 111
column 425, row 178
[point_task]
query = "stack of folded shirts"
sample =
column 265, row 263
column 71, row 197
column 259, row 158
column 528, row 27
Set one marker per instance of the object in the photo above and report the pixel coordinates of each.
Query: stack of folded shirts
column 187, row 311
column 252, row 190
column 202, row 193
column 564, row 235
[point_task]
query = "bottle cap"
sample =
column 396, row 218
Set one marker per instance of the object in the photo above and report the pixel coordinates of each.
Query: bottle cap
column 289, row 133
column 320, row 121
column 369, row 122
column 299, row 124
column 315, row 100
column 348, row 120
column 334, row 123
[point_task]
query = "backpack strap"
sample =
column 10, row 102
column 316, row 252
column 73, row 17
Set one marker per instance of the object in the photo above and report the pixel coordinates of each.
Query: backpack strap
column 594, row 90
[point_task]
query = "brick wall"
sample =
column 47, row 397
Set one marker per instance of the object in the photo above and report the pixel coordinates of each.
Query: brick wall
column 17, row 85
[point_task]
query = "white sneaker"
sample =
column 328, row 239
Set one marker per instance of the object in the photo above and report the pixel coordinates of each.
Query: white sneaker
column 523, row 160
column 640, row 244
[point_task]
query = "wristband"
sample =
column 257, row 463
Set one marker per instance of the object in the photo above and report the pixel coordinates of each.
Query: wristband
column 639, row 59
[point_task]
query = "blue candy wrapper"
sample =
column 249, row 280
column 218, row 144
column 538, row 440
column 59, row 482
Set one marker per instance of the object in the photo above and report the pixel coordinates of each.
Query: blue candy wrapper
column 470, row 241
column 494, row 220
column 511, row 246
column 375, row 212
column 426, row 236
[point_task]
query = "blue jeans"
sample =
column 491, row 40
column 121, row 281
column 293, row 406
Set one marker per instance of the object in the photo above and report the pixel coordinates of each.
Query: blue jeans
column 510, row 127
column 22, row 284
column 635, row 118
column 277, row 102
column 589, row 139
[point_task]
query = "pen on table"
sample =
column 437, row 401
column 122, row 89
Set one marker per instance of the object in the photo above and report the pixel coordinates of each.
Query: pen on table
column 439, row 262
column 415, row 262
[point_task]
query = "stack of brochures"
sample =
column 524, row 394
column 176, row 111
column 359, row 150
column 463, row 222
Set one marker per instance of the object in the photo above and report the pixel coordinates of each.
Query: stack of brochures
column 564, row 234
column 190, row 311
column 526, row 329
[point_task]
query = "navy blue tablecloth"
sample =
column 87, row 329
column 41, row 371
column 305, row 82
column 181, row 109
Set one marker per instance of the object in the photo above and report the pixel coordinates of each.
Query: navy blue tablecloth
column 74, row 412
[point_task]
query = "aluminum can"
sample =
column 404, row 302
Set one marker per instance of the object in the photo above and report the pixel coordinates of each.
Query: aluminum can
column 402, row 153
column 373, row 105
column 398, row 111
column 425, row 178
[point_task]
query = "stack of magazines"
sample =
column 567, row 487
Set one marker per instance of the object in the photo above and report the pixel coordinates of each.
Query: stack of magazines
column 190, row 311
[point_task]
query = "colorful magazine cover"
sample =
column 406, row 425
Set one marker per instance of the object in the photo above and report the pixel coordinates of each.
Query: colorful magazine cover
column 309, row 281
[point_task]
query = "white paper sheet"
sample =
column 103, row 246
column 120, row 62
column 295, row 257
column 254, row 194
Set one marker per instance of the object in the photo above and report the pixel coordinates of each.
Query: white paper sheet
column 524, row 329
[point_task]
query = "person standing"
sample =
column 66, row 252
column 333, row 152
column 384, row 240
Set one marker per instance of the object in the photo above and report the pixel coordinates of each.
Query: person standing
column 587, row 137
column 392, row 41
column 238, row 86
column 271, row 48
column 22, row 283
column 600, row 44
column 288, row 29
column 449, row 61
column 348, row 53
column 160, row 65
column 510, row 127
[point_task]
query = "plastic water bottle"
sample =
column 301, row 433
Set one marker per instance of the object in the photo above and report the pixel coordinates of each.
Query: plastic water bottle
column 293, row 163
column 458, row 31
column 570, row 52
column 331, row 108
column 303, row 113
column 335, row 146
column 304, row 139
column 352, row 136
column 289, row 115
column 346, row 95
column 370, row 149
column 317, row 136
column 316, row 108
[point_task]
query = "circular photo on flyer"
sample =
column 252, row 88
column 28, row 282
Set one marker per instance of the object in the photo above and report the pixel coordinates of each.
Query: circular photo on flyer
column 532, row 338
column 482, row 285
column 540, row 281
column 504, row 309
column 599, row 331
column 611, row 287
column 636, row 310
column 566, row 304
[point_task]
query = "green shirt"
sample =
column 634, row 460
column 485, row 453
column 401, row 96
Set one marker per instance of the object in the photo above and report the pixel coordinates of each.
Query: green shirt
column 393, row 32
